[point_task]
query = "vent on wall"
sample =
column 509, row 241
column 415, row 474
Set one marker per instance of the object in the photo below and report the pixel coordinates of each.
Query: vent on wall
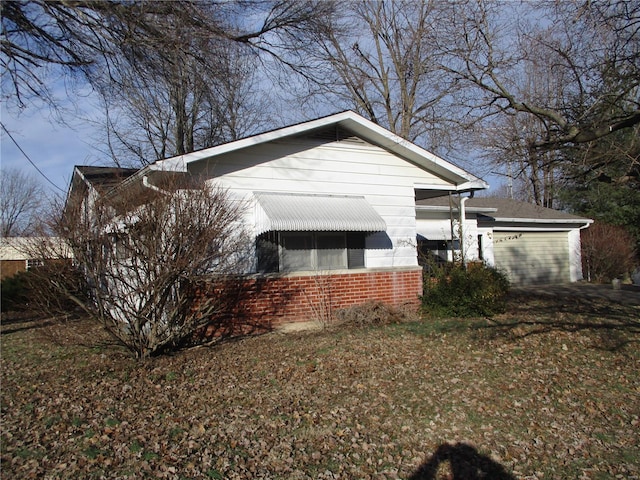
column 334, row 133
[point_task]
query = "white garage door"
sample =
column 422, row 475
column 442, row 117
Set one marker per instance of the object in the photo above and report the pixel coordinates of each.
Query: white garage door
column 530, row 258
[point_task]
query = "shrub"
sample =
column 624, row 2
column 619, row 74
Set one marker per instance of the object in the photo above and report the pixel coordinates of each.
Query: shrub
column 607, row 252
column 456, row 291
column 373, row 314
column 39, row 291
column 15, row 292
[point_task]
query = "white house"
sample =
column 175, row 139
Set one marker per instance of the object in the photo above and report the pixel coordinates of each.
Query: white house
column 20, row 254
column 331, row 206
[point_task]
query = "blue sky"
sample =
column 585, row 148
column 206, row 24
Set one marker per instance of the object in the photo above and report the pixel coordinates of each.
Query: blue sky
column 54, row 141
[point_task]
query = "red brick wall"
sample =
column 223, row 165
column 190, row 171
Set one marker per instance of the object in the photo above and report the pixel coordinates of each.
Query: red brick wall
column 271, row 300
column 8, row 268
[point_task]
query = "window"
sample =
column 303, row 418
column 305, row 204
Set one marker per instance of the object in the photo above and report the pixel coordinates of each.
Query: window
column 430, row 251
column 34, row 263
column 331, row 251
column 304, row 251
column 297, row 251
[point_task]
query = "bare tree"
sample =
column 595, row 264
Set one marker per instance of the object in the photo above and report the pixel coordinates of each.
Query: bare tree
column 508, row 145
column 21, row 198
column 587, row 46
column 377, row 59
column 173, row 76
column 147, row 258
column 167, row 103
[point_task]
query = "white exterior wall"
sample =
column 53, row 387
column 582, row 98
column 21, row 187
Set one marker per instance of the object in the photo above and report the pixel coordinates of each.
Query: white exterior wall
column 470, row 239
column 575, row 255
column 339, row 168
column 437, row 226
column 487, row 245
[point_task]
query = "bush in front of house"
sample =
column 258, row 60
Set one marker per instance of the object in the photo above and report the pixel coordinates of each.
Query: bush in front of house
column 40, row 291
column 459, row 291
column 373, row 314
column 15, row 292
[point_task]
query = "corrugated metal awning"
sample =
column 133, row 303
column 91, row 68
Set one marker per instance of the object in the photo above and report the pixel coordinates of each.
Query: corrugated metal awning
column 315, row 213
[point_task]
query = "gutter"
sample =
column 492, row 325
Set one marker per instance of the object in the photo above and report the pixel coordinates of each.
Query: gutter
column 443, row 209
column 586, row 221
column 142, row 174
column 149, row 185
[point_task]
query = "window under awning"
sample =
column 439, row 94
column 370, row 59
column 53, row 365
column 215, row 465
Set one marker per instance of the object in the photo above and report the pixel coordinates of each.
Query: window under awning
column 315, row 213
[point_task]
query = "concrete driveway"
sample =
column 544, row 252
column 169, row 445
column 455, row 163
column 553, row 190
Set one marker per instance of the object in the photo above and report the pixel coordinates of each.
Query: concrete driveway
column 627, row 295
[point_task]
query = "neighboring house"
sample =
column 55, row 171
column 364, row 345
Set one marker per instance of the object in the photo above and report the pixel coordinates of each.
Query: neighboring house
column 19, row 254
column 531, row 244
column 332, row 210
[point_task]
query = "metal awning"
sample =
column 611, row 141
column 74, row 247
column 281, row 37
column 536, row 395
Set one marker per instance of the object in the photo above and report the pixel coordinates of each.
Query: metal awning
column 315, row 213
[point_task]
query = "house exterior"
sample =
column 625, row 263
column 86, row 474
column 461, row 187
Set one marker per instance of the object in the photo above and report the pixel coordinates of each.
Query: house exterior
column 531, row 244
column 19, row 254
column 330, row 204
column 13, row 256
column 336, row 208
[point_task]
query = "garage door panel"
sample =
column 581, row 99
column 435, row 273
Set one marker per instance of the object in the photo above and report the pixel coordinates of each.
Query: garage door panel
column 532, row 257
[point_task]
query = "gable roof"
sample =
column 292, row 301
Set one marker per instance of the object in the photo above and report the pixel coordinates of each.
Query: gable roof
column 347, row 120
column 103, row 179
column 504, row 210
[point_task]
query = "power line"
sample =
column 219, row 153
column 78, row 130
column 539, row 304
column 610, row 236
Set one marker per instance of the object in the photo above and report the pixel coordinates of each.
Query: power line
column 29, row 159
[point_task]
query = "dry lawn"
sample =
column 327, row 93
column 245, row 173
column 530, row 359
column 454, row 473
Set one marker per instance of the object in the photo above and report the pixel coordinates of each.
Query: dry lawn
column 550, row 390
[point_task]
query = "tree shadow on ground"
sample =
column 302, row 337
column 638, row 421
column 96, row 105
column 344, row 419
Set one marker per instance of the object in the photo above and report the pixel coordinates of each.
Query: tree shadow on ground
column 581, row 306
column 574, row 308
column 18, row 321
column 465, row 463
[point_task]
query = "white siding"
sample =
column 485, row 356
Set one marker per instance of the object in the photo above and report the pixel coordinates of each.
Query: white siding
column 437, row 226
column 575, row 255
column 487, row 245
column 532, row 257
column 386, row 181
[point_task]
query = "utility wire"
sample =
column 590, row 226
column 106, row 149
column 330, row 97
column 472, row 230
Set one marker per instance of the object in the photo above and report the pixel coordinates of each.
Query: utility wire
column 29, row 159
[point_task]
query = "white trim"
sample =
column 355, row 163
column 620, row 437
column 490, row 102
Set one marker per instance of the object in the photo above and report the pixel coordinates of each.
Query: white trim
column 511, row 228
column 445, row 209
column 575, row 221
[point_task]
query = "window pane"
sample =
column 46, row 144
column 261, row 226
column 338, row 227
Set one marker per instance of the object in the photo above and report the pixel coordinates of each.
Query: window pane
column 267, row 252
column 331, row 251
column 355, row 252
column 297, row 251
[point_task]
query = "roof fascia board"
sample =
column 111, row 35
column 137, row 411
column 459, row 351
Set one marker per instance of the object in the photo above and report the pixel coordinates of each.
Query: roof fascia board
column 442, row 208
column 477, row 184
column 390, row 141
column 580, row 221
column 539, row 228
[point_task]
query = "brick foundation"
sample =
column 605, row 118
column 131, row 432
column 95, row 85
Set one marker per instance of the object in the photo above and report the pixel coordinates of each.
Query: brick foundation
column 266, row 301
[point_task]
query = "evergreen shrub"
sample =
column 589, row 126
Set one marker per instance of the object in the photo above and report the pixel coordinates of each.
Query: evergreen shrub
column 456, row 291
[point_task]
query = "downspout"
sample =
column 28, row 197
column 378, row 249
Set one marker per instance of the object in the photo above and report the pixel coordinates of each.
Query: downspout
column 453, row 257
column 463, row 218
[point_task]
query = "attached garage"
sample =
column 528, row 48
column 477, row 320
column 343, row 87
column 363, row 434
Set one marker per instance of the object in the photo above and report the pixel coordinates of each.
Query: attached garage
column 531, row 244
column 530, row 258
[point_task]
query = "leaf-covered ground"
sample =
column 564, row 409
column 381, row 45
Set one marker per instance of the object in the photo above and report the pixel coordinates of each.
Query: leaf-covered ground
column 549, row 390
